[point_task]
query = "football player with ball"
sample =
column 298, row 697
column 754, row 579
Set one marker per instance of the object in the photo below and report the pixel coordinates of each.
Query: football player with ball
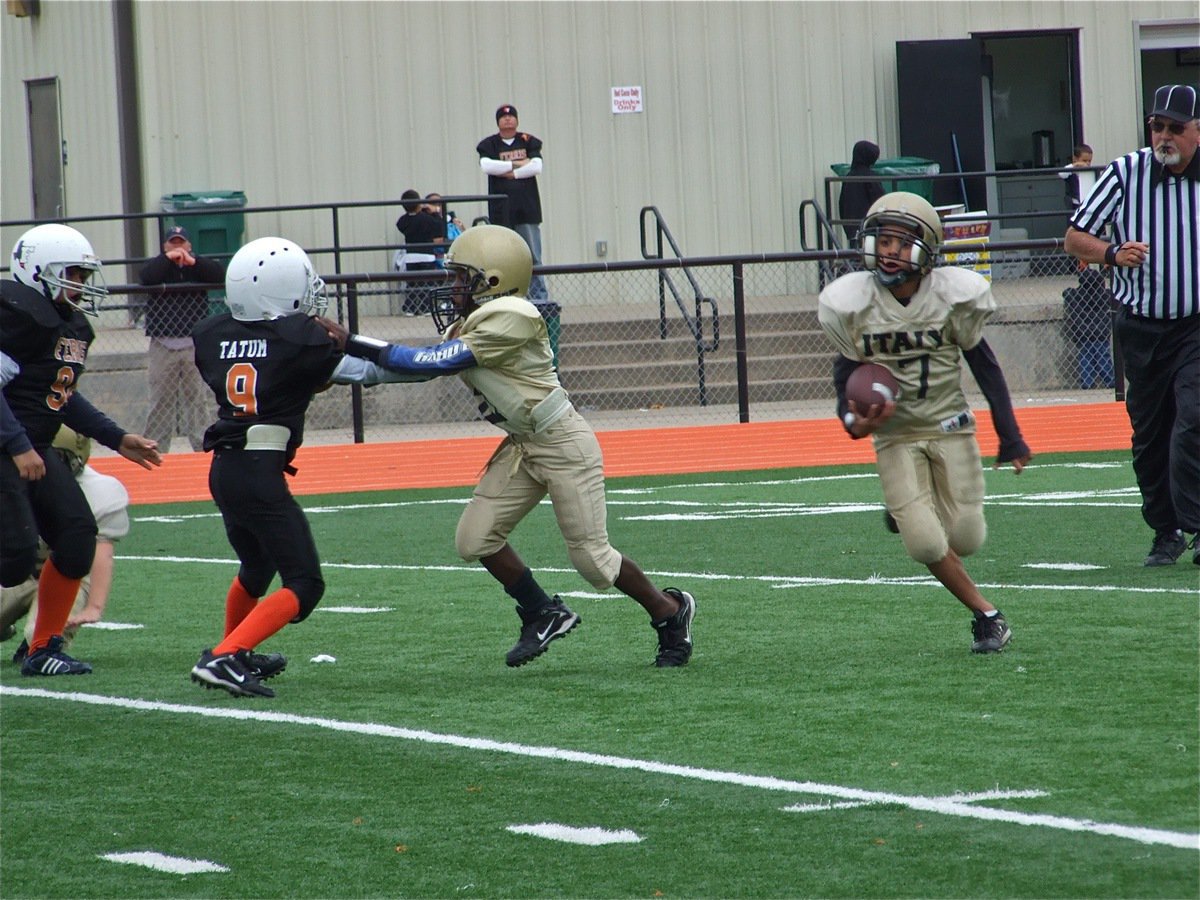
column 917, row 322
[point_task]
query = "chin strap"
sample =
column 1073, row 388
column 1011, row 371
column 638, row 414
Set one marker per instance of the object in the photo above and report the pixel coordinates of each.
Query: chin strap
column 895, row 279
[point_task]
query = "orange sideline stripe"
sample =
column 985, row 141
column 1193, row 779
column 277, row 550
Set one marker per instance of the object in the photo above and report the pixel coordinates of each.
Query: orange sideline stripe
column 342, row 468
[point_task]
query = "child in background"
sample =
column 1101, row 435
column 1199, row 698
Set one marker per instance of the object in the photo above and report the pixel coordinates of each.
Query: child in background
column 1079, row 184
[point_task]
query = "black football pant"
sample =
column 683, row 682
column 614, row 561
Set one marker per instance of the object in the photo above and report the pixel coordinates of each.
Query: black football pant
column 265, row 525
column 55, row 508
column 1162, row 363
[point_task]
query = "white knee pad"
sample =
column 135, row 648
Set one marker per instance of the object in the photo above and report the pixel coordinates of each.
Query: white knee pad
column 598, row 564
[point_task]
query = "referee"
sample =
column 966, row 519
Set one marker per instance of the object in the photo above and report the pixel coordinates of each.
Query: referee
column 1151, row 197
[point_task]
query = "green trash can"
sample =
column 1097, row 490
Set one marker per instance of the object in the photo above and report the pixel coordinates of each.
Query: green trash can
column 215, row 232
column 550, row 312
column 901, row 165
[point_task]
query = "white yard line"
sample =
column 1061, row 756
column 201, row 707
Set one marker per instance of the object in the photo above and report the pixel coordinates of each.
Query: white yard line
column 779, row 581
column 591, row 837
column 963, row 807
column 160, row 862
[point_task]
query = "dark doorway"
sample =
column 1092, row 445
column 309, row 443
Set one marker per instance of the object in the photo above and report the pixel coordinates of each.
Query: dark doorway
column 46, row 149
column 941, row 86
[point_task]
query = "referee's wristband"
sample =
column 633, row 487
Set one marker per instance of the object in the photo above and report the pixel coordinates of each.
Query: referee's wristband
column 1110, row 255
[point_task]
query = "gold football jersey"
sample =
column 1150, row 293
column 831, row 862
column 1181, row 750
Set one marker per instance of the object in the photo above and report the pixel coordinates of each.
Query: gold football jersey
column 920, row 343
column 515, row 371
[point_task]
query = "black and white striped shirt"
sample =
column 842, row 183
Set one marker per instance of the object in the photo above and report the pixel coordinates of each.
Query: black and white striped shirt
column 1146, row 202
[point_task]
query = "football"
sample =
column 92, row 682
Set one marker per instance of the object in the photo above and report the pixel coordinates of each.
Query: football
column 872, row 384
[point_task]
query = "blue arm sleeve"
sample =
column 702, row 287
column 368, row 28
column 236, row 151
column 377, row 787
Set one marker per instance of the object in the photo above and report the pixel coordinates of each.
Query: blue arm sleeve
column 80, row 415
column 984, row 366
column 441, row 359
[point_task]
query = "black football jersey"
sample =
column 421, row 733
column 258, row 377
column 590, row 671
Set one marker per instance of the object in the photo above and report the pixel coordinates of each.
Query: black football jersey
column 262, row 373
column 50, row 342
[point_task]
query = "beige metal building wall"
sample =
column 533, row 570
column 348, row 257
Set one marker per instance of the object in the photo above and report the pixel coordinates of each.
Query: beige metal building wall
column 73, row 42
column 746, row 104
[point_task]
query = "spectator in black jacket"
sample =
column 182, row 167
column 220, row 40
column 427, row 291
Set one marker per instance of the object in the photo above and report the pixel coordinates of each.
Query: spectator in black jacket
column 179, row 400
column 857, row 196
column 422, row 230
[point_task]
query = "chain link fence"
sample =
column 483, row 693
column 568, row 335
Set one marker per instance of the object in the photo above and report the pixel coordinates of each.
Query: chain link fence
column 645, row 345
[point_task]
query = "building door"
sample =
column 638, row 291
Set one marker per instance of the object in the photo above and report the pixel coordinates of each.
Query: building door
column 47, row 154
column 942, row 86
column 1169, row 54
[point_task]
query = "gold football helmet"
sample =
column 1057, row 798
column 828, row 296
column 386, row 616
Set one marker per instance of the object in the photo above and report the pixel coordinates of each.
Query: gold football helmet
column 489, row 261
column 910, row 213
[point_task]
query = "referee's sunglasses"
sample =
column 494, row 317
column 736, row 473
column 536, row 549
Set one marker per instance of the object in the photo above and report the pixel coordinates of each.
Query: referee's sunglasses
column 1157, row 125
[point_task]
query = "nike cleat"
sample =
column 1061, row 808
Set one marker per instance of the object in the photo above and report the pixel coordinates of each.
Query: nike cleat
column 266, row 665
column 230, row 672
column 675, row 633
column 539, row 629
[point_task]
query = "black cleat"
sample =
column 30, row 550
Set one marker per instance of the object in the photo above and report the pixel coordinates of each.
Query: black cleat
column 229, row 672
column 539, row 629
column 1195, row 545
column 266, row 665
column 675, row 633
column 21, row 652
column 1168, row 546
column 51, row 660
column 990, row 634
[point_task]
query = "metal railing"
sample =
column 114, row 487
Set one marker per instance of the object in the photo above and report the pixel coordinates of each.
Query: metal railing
column 336, row 211
column 693, row 321
column 826, row 238
column 615, row 364
column 1061, row 213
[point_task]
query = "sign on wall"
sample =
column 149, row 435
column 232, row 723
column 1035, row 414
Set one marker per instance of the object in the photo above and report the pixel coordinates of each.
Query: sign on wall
column 627, row 100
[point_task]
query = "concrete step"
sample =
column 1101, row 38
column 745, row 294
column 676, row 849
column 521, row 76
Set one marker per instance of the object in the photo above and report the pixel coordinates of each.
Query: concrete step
column 717, row 368
column 688, row 394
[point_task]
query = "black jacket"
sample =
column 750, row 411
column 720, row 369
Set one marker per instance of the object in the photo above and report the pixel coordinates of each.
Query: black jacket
column 857, row 196
column 174, row 314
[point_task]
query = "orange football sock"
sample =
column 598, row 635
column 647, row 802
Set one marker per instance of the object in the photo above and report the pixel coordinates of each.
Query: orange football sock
column 56, row 596
column 238, row 605
column 268, row 617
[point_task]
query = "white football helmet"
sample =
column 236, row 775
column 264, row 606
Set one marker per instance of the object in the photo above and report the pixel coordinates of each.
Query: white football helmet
column 912, row 214
column 42, row 258
column 270, row 278
column 496, row 262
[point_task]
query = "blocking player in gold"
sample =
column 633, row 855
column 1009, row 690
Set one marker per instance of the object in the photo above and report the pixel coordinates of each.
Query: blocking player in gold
column 919, row 321
column 496, row 341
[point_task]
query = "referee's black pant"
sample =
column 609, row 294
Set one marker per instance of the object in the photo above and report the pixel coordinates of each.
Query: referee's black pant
column 1162, row 364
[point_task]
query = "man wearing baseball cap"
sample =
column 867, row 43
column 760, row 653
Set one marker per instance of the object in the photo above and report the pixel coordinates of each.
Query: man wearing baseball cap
column 1150, row 198
column 513, row 161
column 179, row 400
